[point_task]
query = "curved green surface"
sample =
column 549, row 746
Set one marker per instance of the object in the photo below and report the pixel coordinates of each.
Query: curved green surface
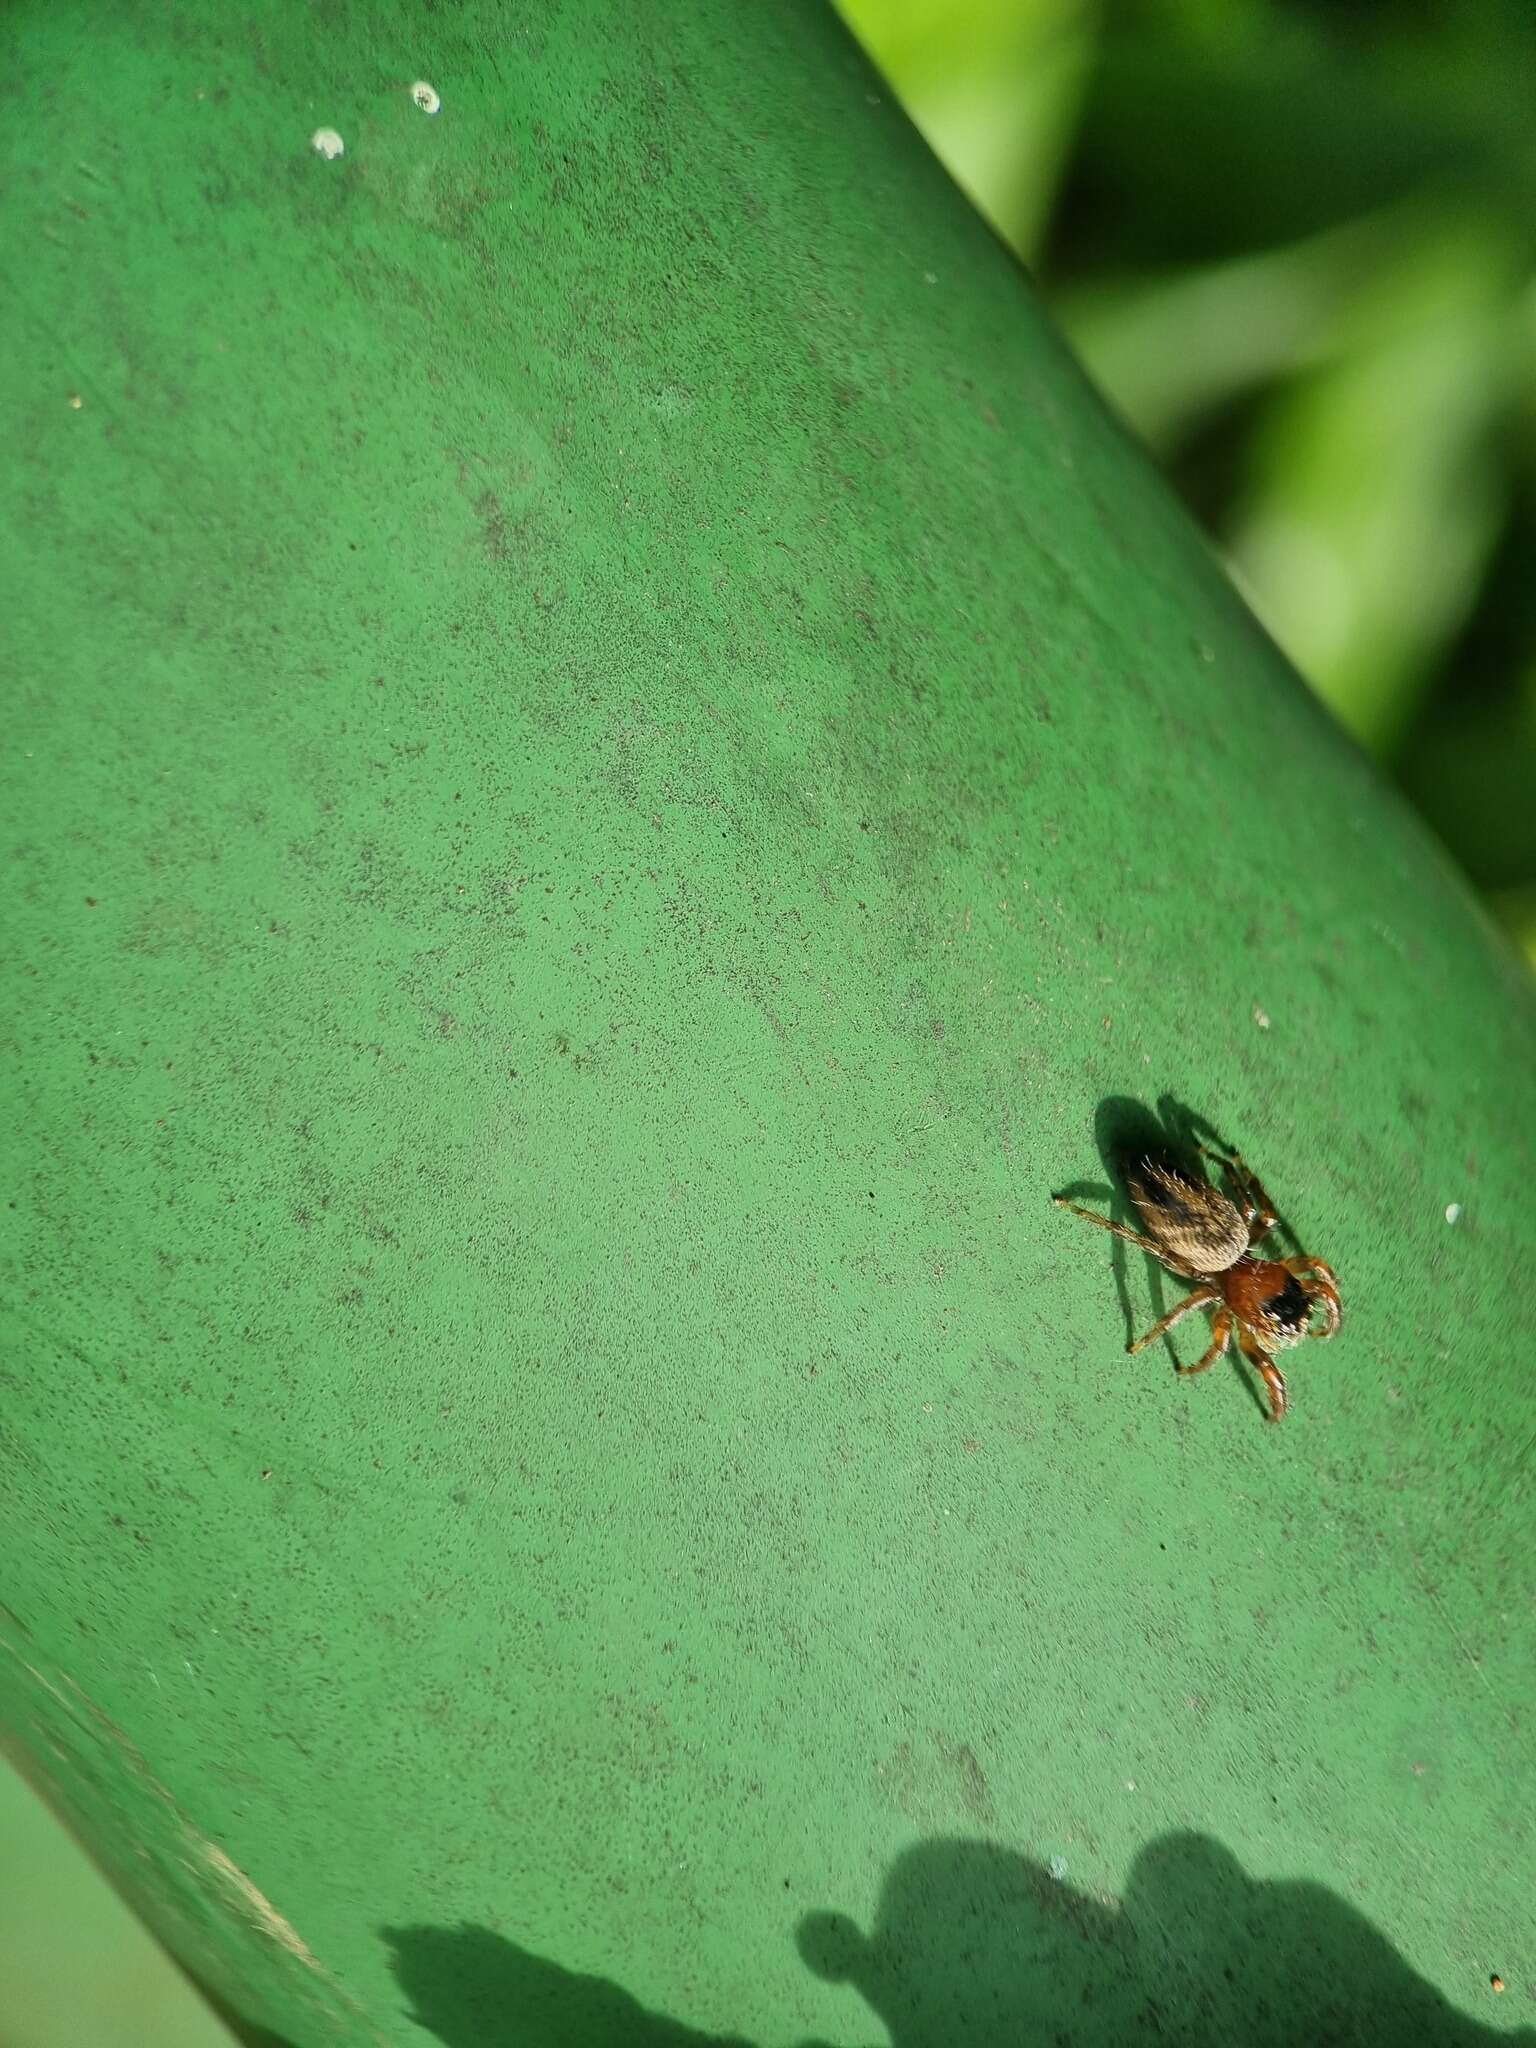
column 610, row 762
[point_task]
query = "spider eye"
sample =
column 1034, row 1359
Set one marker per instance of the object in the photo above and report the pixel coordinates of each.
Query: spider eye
column 1290, row 1308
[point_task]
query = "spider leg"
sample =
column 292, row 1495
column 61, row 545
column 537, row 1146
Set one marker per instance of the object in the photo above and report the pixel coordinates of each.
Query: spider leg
column 1259, row 1211
column 1325, row 1288
column 1221, row 1337
column 1268, row 1372
column 1186, row 1307
column 1118, row 1229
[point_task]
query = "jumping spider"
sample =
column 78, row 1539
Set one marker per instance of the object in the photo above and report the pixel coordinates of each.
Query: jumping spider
column 1200, row 1234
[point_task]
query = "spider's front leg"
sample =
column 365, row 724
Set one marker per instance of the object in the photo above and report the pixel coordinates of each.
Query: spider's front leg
column 1324, row 1288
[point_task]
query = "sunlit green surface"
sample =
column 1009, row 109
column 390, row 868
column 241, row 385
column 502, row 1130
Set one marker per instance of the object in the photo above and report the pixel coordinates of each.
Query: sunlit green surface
column 610, row 762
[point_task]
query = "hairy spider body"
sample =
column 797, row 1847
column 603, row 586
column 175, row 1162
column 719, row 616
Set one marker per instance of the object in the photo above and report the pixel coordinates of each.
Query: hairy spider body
column 1203, row 1235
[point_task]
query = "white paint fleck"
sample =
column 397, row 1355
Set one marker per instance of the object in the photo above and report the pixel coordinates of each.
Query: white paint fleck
column 75, row 401
column 259, row 1908
column 1453, row 1212
column 1130, row 1784
column 1261, row 1017
column 327, row 143
column 426, row 96
column 930, row 277
column 1059, row 1868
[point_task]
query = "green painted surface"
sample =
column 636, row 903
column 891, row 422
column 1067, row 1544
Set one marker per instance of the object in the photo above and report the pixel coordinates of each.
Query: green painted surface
column 608, row 760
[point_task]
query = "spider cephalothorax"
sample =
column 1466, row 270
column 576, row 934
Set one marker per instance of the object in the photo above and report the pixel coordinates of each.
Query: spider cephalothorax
column 1203, row 1235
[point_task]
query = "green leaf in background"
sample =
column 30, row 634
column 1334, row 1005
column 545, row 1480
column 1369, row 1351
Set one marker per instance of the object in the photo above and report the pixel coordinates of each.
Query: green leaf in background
column 996, row 90
column 1376, row 486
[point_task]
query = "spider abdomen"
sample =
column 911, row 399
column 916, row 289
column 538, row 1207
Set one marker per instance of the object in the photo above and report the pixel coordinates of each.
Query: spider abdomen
column 1190, row 1218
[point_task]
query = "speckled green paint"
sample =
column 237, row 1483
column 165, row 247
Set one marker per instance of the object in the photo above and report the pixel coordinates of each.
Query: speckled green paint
column 607, row 757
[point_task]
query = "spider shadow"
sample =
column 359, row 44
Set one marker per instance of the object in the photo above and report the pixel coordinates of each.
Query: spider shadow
column 1126, row 1132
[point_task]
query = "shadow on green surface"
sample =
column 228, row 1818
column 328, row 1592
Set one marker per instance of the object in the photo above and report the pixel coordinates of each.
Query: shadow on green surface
column 1126, row 1132
column 245, row 2031
column 473, row 1989
column 251, row 2036
column 975, row 1943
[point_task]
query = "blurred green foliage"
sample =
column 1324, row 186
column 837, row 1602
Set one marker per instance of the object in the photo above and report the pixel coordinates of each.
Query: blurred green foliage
column 1295, row 242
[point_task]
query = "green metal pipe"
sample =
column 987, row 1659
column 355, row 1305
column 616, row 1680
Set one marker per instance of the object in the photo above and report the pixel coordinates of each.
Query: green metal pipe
column 613, row 772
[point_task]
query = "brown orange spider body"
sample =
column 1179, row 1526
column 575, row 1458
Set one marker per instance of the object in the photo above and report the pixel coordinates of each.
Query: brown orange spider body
column 1203, row 1235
